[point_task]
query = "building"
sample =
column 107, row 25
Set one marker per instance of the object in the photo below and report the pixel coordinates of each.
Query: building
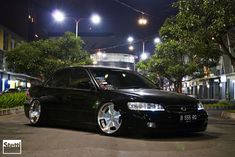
column 120, row 60
column 8, row 41
column 219, row 81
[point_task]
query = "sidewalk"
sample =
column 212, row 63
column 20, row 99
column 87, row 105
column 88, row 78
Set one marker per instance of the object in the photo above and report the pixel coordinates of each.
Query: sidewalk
column 14, row 110
column 226, row 114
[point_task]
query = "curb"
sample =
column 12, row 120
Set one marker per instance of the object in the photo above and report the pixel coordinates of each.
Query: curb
column 13, row 110
column 229, row 115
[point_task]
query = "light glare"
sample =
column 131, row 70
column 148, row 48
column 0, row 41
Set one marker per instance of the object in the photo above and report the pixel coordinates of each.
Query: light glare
column 131, row 48
column 96, row 19
column 142, row 21
column 130, row 39
column 58, row 15
column 144, row 56
column 157, row 40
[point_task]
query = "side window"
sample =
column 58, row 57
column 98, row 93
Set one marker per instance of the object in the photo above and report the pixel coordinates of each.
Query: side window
column 79, row 79
column 60, row 79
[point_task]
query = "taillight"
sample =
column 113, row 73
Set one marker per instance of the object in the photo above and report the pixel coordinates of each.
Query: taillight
column 27, row 94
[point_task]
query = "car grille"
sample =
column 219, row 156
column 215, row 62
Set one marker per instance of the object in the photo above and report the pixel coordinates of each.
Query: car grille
column 181, row 108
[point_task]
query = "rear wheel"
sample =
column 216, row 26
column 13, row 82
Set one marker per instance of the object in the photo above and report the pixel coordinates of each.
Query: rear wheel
column 109, row 119
column 35, row 113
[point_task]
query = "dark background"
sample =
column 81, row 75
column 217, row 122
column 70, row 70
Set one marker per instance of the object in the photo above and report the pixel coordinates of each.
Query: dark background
column 118, row 21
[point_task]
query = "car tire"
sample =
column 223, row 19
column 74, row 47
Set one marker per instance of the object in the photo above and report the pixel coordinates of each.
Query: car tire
column 36, row 116
column 109, row 119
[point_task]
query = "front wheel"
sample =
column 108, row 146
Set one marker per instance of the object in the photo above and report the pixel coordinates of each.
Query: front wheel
column 109, row 119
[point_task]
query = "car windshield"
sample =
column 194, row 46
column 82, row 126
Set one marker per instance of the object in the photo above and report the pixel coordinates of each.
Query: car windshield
column 110, row 79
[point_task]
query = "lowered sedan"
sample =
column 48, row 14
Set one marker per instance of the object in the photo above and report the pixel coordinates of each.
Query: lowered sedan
column 113, row 100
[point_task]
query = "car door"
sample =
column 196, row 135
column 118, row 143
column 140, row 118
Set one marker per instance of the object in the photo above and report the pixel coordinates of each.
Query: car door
column 82, row 96
column 54, row 98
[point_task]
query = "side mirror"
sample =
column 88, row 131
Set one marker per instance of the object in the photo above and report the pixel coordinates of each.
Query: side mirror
column 157, row 86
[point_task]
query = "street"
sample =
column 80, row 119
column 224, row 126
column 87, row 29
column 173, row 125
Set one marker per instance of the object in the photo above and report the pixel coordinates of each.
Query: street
column 51, row 141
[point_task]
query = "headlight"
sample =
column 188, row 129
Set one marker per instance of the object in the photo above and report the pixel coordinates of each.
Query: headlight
column 142, row 106
column 200, row 106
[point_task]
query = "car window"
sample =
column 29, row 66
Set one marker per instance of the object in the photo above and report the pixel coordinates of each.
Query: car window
column 60, row 79
column 79, row 79
column 118, row 79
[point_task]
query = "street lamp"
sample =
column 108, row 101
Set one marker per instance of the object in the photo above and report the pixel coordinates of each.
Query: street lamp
column 96, row 19
column 130, row 39
column 142, row 20
column 59, row 16
column 144, row 56
column 157, row 40
column 131, row 48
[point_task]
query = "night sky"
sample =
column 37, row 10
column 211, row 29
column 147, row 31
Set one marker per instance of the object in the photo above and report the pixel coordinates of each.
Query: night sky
column 118, row 21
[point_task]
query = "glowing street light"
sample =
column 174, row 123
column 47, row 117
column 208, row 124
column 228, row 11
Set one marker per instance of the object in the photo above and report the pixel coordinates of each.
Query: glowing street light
column 96, row 19
column 142, row 21
column 157, row 40
column 59, row 16
column 131, row 48
column 130, row 39
column 144, row 56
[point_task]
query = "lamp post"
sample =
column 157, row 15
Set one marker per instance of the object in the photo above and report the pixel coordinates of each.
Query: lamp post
column 144, row 55
column 59, row 16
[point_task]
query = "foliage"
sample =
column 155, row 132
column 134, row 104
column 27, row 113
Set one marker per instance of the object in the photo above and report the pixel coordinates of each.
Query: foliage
column 10, row 100
column 231, row 111
column 220, row 104
column 170, row 61
column 205, row 24
column 41, row 58
column 192, row 40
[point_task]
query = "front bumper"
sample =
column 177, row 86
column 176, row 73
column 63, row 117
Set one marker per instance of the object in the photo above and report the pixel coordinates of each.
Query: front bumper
column 167, row 122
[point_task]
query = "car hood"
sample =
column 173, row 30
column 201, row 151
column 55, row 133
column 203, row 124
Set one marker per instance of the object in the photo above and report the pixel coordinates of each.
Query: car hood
column 160, row 96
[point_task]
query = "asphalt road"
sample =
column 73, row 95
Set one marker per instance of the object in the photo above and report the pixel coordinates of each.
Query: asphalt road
column 51, row 141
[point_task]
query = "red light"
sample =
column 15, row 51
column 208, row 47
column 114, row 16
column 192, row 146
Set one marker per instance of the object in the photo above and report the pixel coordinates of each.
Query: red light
column 27, row 94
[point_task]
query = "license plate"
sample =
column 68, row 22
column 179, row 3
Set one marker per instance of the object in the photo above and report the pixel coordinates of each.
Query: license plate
column 188, row 118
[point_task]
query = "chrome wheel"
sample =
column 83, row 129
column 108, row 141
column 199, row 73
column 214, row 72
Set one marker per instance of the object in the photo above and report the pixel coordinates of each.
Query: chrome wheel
column 109, row 119
column 35, row 112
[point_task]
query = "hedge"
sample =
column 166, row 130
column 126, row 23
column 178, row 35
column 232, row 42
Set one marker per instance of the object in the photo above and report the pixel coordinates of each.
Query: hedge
column 10, row 100
column 220, row 104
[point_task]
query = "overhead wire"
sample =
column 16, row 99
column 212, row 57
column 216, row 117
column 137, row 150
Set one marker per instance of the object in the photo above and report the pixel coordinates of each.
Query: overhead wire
column 124, row 44
column 131, row 7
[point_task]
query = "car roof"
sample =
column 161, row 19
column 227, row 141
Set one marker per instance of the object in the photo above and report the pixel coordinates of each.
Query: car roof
column 99, row 67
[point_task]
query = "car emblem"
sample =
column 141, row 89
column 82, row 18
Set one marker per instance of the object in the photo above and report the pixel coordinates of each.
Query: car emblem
column 183, row 108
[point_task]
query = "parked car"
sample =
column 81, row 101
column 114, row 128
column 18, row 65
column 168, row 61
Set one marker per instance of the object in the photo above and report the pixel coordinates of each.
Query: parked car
column 113, row 100
column 11, row 90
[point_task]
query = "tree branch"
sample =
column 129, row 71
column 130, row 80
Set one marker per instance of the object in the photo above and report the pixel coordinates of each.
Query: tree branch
column 226, row 50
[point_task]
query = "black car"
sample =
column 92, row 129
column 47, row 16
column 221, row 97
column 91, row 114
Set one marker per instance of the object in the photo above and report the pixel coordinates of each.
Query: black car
column 113, row 100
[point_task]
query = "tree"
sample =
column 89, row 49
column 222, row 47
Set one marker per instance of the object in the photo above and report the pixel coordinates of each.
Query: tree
column 41, row 58
column 197, row 34
column 170, row 61
column 206, row 23
column 203, row 52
